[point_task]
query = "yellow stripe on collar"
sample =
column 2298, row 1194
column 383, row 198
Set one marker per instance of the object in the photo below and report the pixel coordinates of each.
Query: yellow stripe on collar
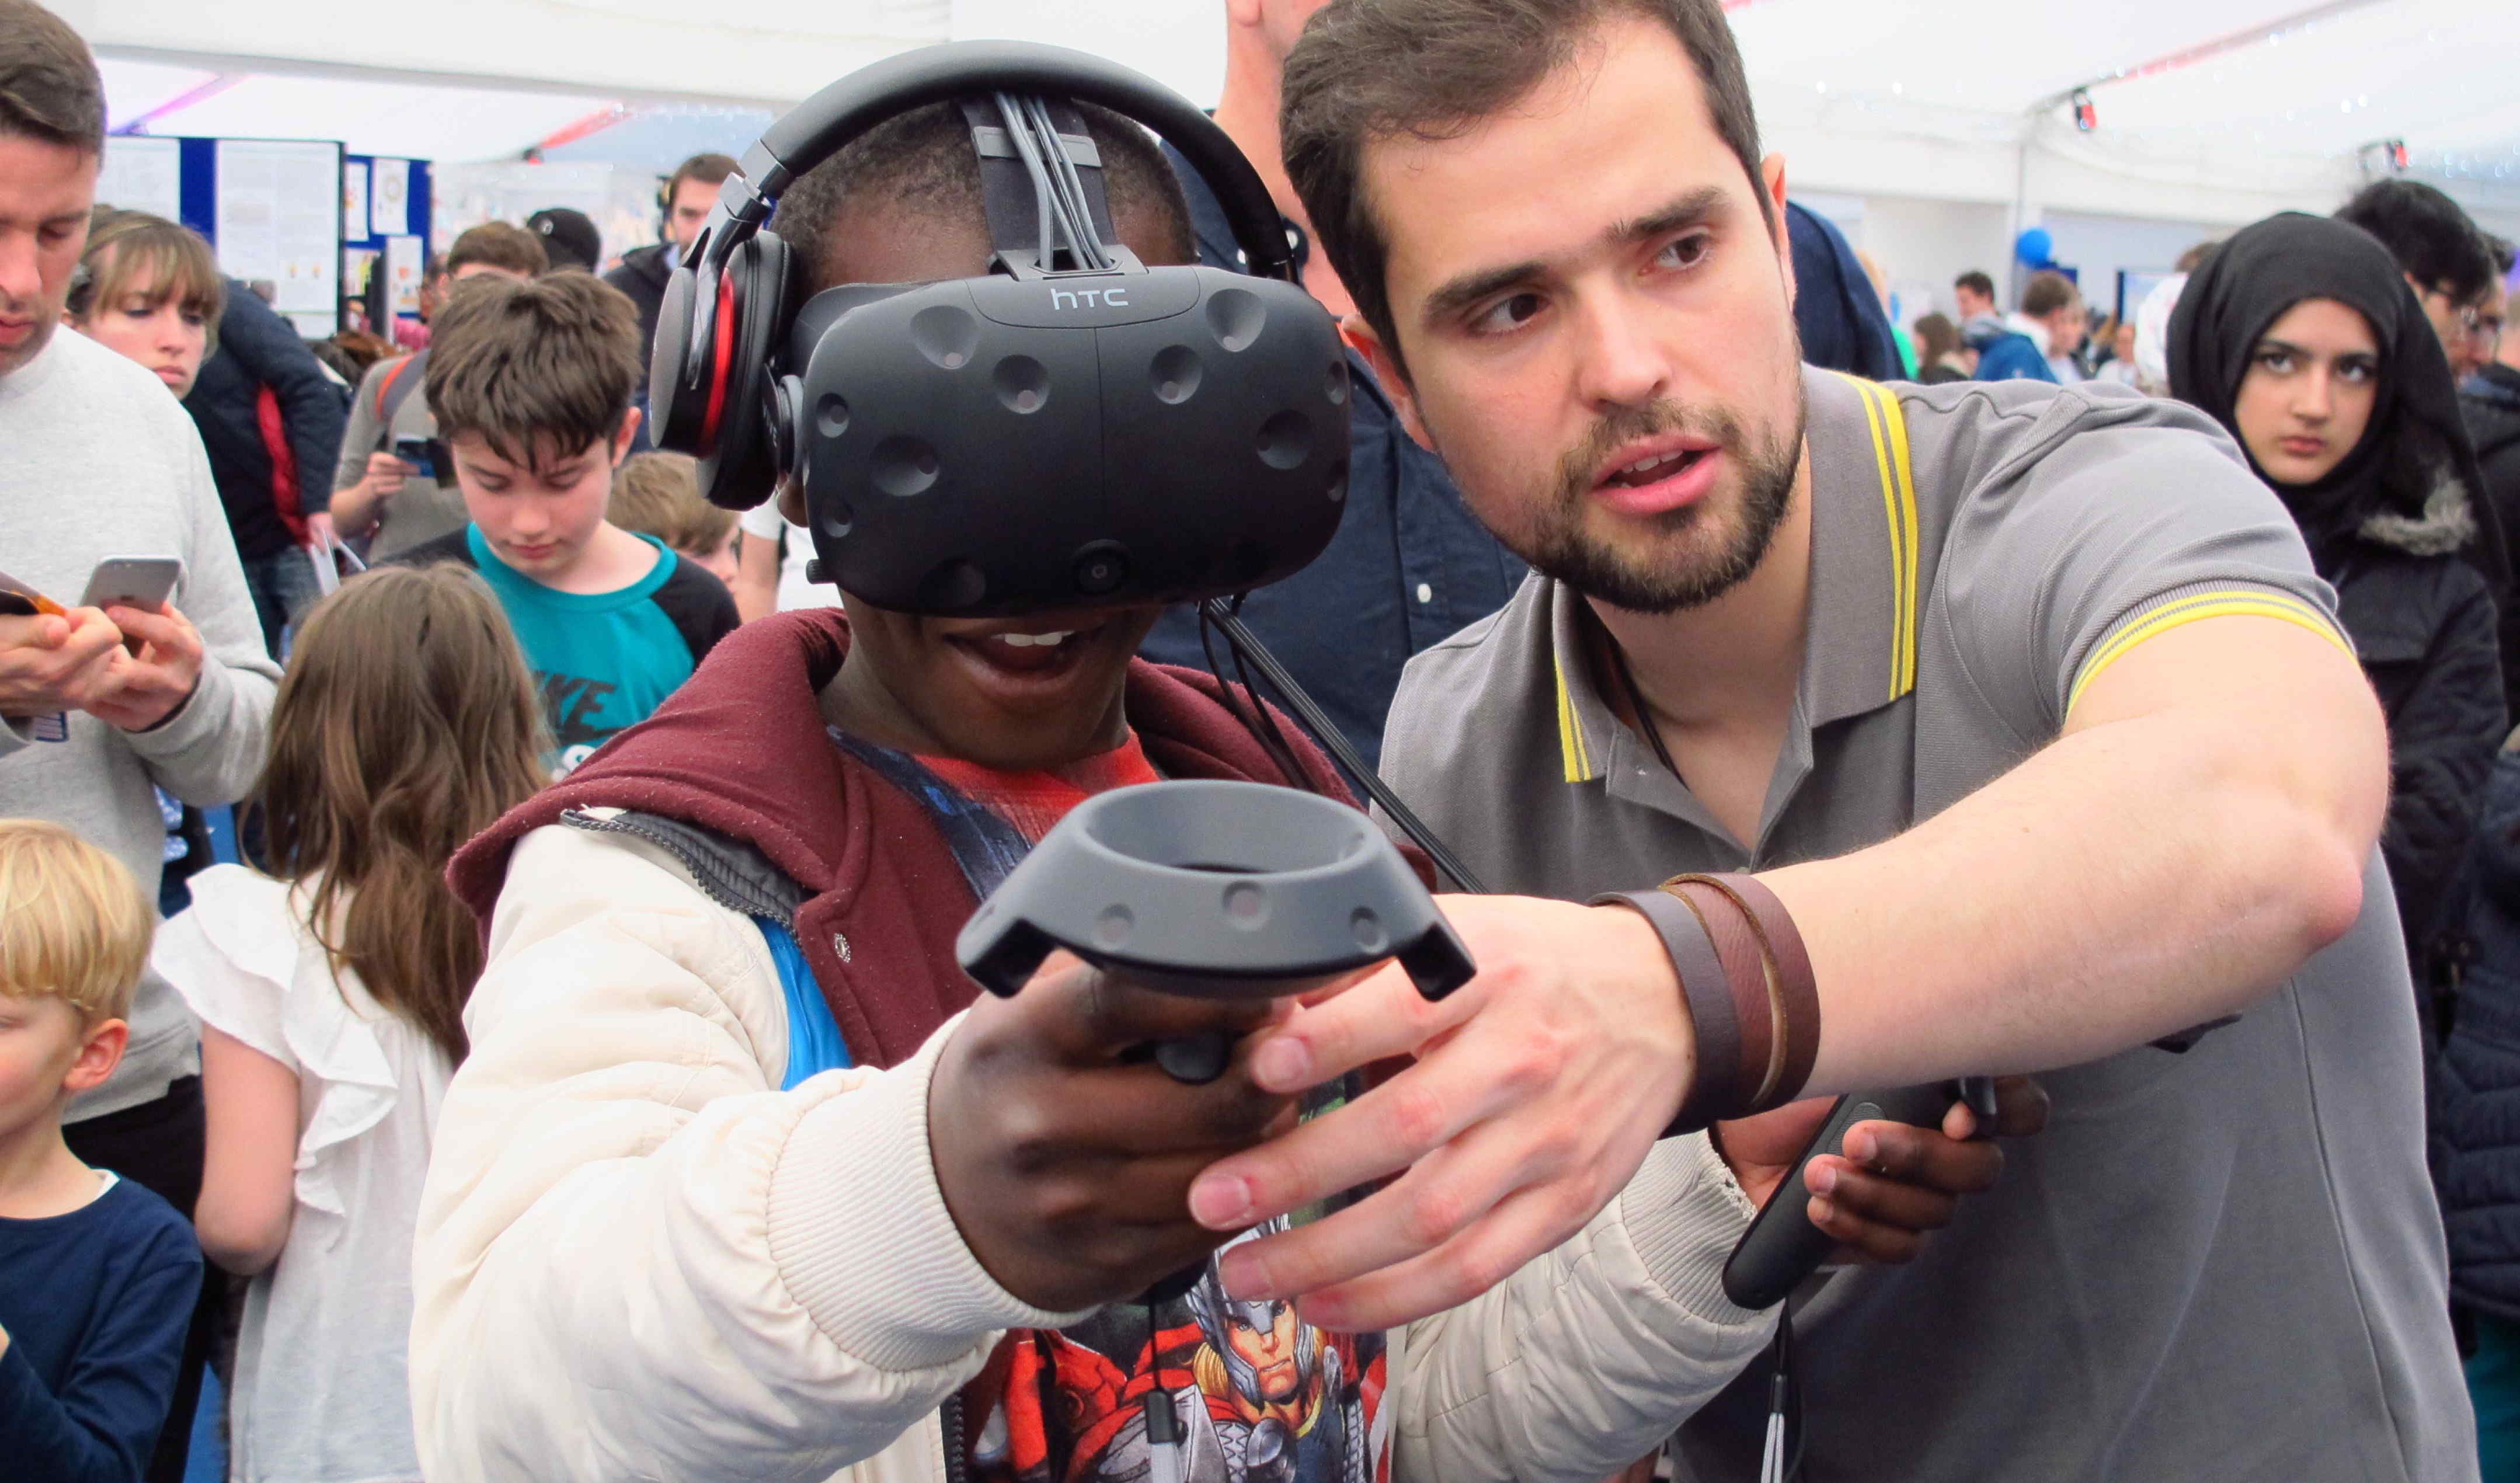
column 1888, row 426
column 1571, row 748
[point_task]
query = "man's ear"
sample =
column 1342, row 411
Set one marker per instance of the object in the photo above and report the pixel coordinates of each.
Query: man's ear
column 1361, row 338
column 1771, row 179
column 100, row 1051
column 625, row 436
column 1242, row 13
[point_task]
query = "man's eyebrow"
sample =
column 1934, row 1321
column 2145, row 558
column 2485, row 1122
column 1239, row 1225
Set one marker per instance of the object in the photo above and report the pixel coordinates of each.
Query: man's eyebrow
column 1461, row 293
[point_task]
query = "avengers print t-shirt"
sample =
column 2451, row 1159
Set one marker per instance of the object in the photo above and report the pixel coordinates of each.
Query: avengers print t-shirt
column 1257, row 1395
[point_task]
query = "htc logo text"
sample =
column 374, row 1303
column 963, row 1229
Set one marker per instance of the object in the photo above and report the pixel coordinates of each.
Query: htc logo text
column 1064, row 299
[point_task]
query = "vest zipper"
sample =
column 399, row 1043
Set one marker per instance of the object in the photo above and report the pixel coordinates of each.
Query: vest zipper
column 705, row 873
column 951, row 1414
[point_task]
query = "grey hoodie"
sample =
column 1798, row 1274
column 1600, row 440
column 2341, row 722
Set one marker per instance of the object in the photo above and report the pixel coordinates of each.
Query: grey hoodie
column 98, row 460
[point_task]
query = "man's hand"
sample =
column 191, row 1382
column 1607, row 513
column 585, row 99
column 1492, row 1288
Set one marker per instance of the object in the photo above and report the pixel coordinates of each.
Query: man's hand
column 1538, row 1089
column 1065, row 1155
column 1889, row 1183
column 158, row 674
column 57, row 663
column 320, row 533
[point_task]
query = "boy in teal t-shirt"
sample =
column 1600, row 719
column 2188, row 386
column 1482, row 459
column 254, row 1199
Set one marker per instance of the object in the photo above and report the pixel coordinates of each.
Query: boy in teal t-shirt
column 531, row 386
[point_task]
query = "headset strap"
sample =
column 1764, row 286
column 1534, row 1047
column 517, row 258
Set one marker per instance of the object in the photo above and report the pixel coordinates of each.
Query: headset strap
column 392, row 391
column 1007, row 188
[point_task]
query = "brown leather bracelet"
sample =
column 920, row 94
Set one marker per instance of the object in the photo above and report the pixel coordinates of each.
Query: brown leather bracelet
column 1749, row 976
column 1715, row 1083
column 1795, row 989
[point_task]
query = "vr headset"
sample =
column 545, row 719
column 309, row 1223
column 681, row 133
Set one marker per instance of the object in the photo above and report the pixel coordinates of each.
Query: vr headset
column 1073, row 430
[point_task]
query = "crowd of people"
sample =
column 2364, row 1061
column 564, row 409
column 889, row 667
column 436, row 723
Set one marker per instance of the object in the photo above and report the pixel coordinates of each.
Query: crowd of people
column 568, row 1074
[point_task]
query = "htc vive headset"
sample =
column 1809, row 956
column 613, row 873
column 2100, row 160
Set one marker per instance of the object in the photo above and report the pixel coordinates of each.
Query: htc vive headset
column 1072, row 429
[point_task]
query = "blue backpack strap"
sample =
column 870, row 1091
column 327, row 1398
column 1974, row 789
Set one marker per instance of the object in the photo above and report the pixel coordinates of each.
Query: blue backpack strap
column 814, row 1043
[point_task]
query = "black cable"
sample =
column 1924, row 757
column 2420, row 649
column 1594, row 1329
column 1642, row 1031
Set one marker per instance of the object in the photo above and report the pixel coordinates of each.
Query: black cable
column 1645, row 717
column 1030, row 132
column 1163, row 1424
column 1047, row 148
column 1248, row 711
column 1246, row 644
column 1011, row 109
column 1063, row 176
column 1268, row 714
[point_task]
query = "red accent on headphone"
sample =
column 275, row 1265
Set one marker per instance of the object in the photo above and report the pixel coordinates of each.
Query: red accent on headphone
column 725, row 329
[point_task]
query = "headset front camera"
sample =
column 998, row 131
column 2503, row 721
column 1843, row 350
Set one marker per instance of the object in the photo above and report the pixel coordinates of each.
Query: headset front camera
column 1100, row 569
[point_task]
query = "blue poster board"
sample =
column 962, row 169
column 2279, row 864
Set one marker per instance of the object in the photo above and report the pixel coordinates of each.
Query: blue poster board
column 373, row 251
column 198, row 201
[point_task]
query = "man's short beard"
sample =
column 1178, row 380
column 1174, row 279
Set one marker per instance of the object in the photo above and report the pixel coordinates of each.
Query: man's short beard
column 1558, row 548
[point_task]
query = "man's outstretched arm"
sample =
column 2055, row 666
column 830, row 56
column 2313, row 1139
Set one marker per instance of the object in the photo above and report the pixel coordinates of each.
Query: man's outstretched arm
column 2196, row 832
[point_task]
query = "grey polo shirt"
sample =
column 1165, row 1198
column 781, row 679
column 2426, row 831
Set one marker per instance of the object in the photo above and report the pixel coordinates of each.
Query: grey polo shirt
column 2218, row 1265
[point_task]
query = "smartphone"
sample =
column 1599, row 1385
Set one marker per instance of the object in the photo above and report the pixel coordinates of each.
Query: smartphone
column 427, row 457
column 133, row 582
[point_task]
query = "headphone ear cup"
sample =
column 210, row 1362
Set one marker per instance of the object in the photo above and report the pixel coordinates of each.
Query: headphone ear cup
column 740, row 471
column 676, row 410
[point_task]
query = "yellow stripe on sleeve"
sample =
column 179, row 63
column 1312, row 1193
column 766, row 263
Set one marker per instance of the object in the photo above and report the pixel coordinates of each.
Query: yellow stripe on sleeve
column 2243, row 602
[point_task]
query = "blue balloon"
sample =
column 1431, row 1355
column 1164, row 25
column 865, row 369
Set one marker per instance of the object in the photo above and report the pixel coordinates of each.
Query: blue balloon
column 2034, row 248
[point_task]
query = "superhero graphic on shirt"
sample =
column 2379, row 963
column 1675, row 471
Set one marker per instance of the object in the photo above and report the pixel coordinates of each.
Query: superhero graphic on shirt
column 1258, row 1396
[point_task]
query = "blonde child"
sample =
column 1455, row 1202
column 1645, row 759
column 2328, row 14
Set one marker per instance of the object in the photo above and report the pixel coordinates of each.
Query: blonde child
column 658, row 494
column 332, row 1004
column 97, row 1275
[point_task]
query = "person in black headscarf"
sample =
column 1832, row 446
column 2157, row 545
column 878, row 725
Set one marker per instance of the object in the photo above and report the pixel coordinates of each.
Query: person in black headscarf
column 2302, row 338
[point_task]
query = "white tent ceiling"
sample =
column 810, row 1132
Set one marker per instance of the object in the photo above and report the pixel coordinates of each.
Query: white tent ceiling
column 2208, row 110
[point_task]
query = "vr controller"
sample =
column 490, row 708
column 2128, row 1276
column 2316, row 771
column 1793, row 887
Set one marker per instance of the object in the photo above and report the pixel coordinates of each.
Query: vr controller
column 1782, row 1246
column 1212, row 890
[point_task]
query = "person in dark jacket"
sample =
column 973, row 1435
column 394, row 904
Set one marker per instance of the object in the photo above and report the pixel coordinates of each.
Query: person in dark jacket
column 684, row 203
column 271, row 420
column 2476, row 1125
column 2004, row 353
column 2491, row 402
column 1835, row 310
column 2302, row 338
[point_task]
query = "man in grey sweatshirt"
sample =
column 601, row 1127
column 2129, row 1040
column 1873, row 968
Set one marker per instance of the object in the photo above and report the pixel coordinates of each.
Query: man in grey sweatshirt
column 98, row 459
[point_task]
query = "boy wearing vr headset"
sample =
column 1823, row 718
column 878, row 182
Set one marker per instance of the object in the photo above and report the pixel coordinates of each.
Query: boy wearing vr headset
column 732, row 1182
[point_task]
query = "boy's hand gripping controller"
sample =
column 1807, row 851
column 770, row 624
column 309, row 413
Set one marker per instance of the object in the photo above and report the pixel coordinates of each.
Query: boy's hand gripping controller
column 1213, row 890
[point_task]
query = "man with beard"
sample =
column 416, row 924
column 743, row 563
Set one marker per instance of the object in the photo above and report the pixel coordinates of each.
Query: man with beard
column 2022, row 727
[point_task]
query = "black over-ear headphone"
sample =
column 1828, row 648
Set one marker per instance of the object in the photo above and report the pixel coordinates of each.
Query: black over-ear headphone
column 1072, row 429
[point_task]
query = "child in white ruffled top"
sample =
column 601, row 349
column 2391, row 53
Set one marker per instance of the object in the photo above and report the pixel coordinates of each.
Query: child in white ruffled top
column 332, row 998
